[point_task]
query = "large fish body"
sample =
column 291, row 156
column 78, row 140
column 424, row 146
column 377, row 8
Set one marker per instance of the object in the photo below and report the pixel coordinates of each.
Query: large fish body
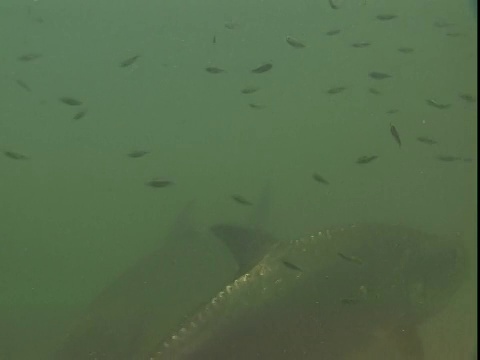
column 326, row 296
column 126, row 319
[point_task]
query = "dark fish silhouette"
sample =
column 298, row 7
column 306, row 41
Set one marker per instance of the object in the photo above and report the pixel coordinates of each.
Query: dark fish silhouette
column 366, row 159
column 214, row 70
column 29, row 57
column 438, row 105
column 376, row 75
column 70, row 101
column 79, row 115
column 291, row 266
column 241, row 200
column 130, row 61
column 295, row 43
column 15, row 155
column 319, row 178
column 290, row 299
column 137, row 153
column 159, row 183
column 262, row 68
column 396, row 135
column 385, row 17
column 427, row 140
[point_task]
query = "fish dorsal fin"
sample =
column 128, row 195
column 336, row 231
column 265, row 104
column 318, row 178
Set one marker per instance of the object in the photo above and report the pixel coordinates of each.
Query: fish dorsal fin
column 248, row 246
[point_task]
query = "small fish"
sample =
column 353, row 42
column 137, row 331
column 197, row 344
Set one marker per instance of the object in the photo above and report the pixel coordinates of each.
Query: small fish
column 263, row 68
column 395, row 134
column 336, row 90
column 14, row 155
column 349, row 301
column 137, row 153
column 291, row 266
column 467, row 97
column 257, row 106
column 79, row 114
column 214, row 70
column 70, row 101
column 297, row 44
column 241, row 200
column 333, row 32
column 453, row 34
column 335, row 4
column 379, row 75
column 448, row 158
column 231, row 25
column 386, row 17
column 392, row 111
column 366, row 159
column 426, row 140
column 443, row 24
column 158, row 183
column 318, row 178
column 29, row 57
column 23, row 85
column 361, row 44
column 129, row 61
column 214, row 40
column 249, row 90
column 352, row 259
column 374, row 91
column 406, row 50
column 437, row 105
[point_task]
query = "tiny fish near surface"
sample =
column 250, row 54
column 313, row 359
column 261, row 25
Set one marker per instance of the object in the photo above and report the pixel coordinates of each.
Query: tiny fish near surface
column 295, row 43
column 257, row 106
column 318, row 178
column 23, row 85
column 336, row 90
column 450, row 158
column 426, row 140
column 291, row 266
column 158, row 183
column 437, row 105
column 137, row 153
column 129, row 61
column 214, row 70
column 14, row 155
column 395, row 134
column 335, row 4
column 352, row 259
column 468, row 98
column 263, row 68
column 361, row 44
column 249, row 90
column 385, row 17
column 70, row 101
column 80, row 115
column 406, row 50
column 366, row 159
column 333, row 32
column 29, row 57
column 376, row 75
column 241, row 200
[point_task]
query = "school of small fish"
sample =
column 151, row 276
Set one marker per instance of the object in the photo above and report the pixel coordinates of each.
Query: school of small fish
column 301, row 44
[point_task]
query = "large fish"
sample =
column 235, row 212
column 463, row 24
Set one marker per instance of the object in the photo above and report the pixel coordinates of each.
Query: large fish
column 329, row 296
column 126, row 319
